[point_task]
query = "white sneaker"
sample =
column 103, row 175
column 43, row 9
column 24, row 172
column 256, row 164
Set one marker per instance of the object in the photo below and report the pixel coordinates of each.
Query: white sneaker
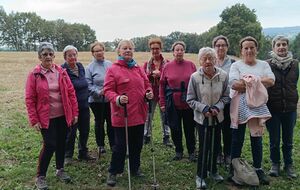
column 200, row 183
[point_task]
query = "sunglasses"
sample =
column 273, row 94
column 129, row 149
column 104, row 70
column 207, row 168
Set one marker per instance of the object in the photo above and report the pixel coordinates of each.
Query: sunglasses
column 46, row 54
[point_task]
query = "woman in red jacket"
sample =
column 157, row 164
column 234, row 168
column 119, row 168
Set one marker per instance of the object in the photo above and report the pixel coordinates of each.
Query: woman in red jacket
column 126, row 84
column 172, row 99
column 52, row 108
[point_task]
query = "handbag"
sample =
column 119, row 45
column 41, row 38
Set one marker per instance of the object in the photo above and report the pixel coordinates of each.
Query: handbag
column 244, row 173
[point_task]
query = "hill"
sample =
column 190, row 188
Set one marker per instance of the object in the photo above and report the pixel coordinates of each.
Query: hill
column 290, row 32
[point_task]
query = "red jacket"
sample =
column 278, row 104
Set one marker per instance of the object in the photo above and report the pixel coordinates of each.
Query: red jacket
column 37, row 97
column 134, row 83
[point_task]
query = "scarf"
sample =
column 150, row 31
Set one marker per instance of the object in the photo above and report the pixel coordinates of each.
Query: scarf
column 281, row 62
column 130, row 63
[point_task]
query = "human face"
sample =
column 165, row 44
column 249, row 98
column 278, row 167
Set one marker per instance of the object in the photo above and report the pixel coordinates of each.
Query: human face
column 178, row 52
column 155, row 50
column 98, row 53
column 71, row 57
column 208, row 62
column 47, row 56
column 281, row 48
column 221, row 48
column 126, row 51
column 249, row 51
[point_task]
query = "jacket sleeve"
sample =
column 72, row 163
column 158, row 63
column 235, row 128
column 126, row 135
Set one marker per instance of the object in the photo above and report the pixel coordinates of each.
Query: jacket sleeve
column 110, row 86
column 147, row 73
column 72, row 96
column 193, row 101
column 162, row 86
column 225, row 95
column 31, row 99
column 146, row 81
column 94, row 90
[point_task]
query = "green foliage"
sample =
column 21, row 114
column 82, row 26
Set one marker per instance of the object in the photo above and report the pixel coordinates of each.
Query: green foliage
column 295, row 47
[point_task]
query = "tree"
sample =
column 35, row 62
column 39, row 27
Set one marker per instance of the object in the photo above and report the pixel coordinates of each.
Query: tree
column 295, row 47
column 237, row 22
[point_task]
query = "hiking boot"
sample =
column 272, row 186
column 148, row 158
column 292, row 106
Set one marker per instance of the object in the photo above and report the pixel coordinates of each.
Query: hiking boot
column 138, row 173
column 86, row 157
column 146, row 140
column 68, row 161
column 167, row 142
column 263, row 179
column 217, row 177
column 220, row 159
column 178, row 156
column 274, row 171
column 289, row 169
column 200, row 183
column 192, row 157
column 111, row 180
column 40, row 183
column 62, row 176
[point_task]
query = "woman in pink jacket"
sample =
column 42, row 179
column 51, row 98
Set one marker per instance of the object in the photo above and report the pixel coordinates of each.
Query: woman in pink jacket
column 127, row 84
column 52, row 108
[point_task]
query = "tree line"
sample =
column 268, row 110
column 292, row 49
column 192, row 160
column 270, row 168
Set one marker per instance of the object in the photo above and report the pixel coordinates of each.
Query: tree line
column 23, row 32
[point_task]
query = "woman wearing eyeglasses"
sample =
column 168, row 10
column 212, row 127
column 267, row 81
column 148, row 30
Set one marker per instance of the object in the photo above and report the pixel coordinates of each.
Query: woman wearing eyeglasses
column 52, row 107
column 95, row 74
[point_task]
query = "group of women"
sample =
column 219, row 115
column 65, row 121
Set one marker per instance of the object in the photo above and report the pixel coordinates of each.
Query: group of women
column 218, row 99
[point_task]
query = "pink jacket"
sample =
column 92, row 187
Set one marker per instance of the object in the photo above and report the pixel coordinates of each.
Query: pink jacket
column 37, row 97
column 134, row 83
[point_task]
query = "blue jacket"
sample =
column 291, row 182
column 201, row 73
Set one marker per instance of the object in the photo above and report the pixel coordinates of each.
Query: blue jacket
column 80, row 85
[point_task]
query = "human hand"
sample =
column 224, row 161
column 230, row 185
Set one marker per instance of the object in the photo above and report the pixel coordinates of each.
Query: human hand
column 75, row 120
column 123, row 99
column 149, row 95
column 37, row 126
column 156, row 73
column 163, row 108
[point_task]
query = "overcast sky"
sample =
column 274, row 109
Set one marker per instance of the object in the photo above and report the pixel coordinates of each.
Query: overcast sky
column 126, row 19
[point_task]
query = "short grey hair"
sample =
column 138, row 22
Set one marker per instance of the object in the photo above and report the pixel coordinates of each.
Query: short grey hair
column 67, row 48
column 176, row 43
column 207, row 51
column 43, row 46
column 278, row 38
column 124, row 42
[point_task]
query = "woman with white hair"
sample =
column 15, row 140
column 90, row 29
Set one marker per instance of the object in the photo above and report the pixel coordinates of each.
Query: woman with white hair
column 282, row 103
column 207, row 95
column 76, row 73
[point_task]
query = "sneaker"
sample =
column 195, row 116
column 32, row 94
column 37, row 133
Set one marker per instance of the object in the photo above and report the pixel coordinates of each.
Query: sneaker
column 263, row 180
column 217, row 177
column 178, row 156
column 290, row 171
column 40, row 183
column 68, row 161
column 85, row 157
column 200, row 183
column 146, row 140
column 274, row 171
column 62, row 176
column 167, row 142
column 220, row 159
column 111, row 180
column 192, row 157
column 138, row 173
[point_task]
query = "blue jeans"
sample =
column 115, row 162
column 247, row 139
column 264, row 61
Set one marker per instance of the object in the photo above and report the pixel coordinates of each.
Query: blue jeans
column 238, row 136
column 286, row 123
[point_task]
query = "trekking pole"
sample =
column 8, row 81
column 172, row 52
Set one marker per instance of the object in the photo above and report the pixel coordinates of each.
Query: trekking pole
column 127, row 146
column 212, row 142
column 155, row 184
column 101, row 120
column 205, row 124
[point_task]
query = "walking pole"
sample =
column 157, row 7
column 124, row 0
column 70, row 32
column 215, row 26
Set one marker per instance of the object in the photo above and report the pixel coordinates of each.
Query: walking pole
column 127, row 146
column 155, row 184
column 212, row 142
column 205, row 124
column 102, row 120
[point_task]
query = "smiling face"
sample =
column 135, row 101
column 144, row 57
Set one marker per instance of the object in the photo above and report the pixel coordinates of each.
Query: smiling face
column 155, row 50
column 178, row 52
column 98, row 53
column 248, row 52
column 126, row 51
column 221, row 48
column 281, row 48
column 47, row 57
column 208, row 62
column 71, row 56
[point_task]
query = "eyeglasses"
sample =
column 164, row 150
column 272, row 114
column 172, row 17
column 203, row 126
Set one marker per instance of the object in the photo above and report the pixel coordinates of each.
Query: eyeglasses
column 153, row 49
column 221, row 45
column 46, row 54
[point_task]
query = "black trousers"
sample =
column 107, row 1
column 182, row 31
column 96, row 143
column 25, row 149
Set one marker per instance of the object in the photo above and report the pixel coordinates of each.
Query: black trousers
column 135, row 141
column 208, row 148
column 83, row 127
column 226, row 132
column 54, row 139
column 102, row 114
column 189, row 131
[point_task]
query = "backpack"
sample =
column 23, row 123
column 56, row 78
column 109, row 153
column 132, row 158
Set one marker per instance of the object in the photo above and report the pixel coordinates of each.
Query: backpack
column 244, row 173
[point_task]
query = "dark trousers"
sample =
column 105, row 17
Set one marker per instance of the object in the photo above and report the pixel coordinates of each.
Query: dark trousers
column 226, row 132
column 210, row 155
column 102, row 114
column 54, row 139
column 135, row 142
column 187, row 116
column 238, row 136
column 83, row 127
column 284, row 122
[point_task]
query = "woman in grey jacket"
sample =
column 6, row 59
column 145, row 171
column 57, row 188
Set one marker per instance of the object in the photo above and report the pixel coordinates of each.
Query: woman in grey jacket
column 207, row 94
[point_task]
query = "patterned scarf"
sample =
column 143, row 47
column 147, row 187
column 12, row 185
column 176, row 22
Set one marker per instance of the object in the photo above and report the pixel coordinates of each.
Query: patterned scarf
column 281, row 62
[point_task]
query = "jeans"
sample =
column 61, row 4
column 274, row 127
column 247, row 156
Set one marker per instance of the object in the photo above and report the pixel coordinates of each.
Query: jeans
column 284, row 122
column 149, row 124
column 238, row 136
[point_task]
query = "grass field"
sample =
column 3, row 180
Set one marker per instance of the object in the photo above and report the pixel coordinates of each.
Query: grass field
column 20, row 145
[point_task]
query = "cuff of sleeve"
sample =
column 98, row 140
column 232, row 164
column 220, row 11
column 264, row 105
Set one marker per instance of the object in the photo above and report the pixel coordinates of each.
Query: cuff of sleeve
column 118, row 101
